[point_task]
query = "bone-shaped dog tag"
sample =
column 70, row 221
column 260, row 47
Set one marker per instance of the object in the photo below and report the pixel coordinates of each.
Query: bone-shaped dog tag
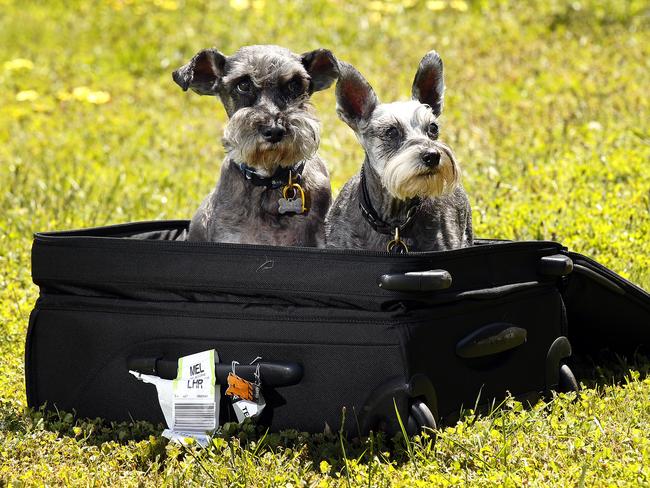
column 290, row 205
column 294, row 203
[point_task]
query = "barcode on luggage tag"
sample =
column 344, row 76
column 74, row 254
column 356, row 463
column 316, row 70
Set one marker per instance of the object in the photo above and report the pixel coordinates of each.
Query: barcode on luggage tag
column 195, row 417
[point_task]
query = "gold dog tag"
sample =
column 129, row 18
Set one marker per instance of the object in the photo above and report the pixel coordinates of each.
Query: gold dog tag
column 293, row 199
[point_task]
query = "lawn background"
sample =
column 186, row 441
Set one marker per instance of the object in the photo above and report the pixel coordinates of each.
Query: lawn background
column 546, row 108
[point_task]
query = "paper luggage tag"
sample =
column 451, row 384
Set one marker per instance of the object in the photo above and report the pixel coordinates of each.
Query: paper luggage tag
column 246, row 409
column 164, row 389
column 241, row 388
column 248, row 401
column 195, row 400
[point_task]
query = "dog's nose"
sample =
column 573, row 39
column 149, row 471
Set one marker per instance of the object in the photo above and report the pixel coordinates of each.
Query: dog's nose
column 273, row 133
column 431, row 158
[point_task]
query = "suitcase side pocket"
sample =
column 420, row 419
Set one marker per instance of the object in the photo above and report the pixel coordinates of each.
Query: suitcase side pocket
column 475, row 349
column 83, row 349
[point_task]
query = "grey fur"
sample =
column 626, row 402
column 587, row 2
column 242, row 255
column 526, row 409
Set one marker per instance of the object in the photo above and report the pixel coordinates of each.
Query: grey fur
column 261, row 88
column 238, row 212
column 396, row 137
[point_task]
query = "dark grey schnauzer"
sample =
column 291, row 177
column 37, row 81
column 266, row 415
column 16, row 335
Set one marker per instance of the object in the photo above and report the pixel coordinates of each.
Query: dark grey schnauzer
column 273, row 188
column 407, row 195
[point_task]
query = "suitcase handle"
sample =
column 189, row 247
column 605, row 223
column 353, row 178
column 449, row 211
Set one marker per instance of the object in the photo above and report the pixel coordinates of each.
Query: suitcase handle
column 556, row 265
column 273, row 374
column 436, row 279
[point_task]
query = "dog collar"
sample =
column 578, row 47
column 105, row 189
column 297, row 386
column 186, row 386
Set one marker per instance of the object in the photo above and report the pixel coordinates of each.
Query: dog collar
column 372, row 217
column 277, row 180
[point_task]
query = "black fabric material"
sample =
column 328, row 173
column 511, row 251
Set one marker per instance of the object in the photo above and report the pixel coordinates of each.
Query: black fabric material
column 116, row 261
column 605, row 310
column 466, row 382
column 139, row 290
column 79, row 350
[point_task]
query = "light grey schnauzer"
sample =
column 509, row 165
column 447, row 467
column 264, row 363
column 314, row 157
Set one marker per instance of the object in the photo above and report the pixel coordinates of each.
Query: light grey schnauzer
column 407, row 196
column 270, row 140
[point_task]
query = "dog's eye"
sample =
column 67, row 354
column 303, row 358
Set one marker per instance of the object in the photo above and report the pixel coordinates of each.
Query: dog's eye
column 244, row 86
column 392, row 133
column 295, row 86
column 432, row 130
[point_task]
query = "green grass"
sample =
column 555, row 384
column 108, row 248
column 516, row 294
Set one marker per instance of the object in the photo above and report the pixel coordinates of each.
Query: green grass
column 547, row 108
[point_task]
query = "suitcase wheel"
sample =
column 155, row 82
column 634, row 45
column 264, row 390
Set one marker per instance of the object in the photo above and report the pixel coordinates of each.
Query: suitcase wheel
column 567, row 381
column 420, row 418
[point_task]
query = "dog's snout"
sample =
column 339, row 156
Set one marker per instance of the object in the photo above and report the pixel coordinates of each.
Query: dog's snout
column 431, row 158
column 273, row 133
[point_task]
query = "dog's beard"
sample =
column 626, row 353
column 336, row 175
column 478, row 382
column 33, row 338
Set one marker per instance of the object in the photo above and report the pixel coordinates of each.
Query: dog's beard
column 244, row 143
column 404, row 176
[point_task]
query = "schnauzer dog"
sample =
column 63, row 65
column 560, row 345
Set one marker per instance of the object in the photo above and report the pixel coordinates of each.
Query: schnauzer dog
column 407, row 195
column 273, row 188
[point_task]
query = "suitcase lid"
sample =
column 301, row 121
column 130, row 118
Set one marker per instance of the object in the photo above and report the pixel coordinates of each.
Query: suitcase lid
column 150, row 261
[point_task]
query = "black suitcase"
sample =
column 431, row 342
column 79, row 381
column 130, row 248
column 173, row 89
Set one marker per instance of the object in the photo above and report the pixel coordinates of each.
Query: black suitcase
column 423, row 333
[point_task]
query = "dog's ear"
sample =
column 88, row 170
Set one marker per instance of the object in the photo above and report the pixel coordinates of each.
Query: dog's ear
column 429, row 84
column 355, row 98
column 322, row 68
column 202, row 73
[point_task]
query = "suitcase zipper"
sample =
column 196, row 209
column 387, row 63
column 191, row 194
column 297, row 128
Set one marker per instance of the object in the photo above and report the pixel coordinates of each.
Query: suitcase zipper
column 122, row 241
column 94, row 235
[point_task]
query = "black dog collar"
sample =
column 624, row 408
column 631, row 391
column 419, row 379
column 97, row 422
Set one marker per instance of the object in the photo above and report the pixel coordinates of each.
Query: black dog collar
column 277, row 180
column 371, row 216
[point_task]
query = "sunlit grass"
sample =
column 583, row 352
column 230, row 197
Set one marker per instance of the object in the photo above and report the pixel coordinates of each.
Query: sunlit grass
column 547, row 109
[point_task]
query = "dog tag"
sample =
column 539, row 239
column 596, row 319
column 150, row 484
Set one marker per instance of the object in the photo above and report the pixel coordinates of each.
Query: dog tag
column 397, row 245
column 293, row 200
column 290, row 205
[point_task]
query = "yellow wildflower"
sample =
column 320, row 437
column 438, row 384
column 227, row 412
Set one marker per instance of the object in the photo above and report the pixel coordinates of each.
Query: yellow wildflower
column 436, row 5
column 239, row 4
column 98, row 97
column 167, row 4
column 85, row 94
column 459, row 5
column 80, row 93
column 26, row 96
column 17, row 64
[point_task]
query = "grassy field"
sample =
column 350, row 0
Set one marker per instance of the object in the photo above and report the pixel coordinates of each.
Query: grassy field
column 547, row 108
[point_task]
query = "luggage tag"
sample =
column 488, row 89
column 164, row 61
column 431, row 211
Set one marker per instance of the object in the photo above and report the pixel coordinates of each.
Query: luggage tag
column 239, row 387
column 164, row 390
column 195, row 402
column 190, row 403
column 247, row 398
column 293, row 198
